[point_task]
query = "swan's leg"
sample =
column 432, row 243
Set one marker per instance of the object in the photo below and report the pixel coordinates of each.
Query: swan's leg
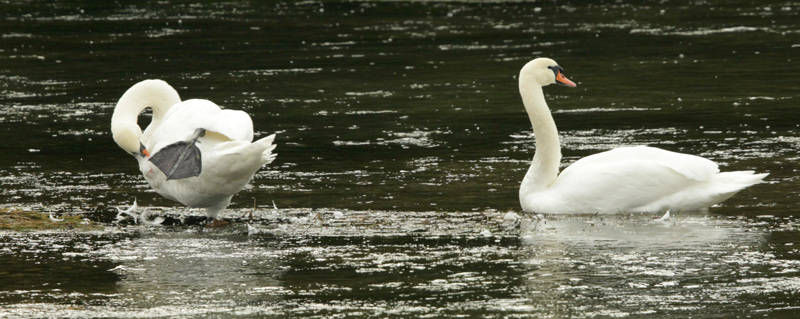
column 213, row 211
column 181, row 159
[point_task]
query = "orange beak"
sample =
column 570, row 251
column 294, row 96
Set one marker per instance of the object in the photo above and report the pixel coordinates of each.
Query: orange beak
column 561, row 79
column 146, row 153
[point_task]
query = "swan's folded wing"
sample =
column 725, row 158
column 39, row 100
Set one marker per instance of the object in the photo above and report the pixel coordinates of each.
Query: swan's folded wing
column 239, row 159
column 620, row 186
column 690, row 166
column 179, row 124
column 245, row 148
column 236, row 125
column 184, row 118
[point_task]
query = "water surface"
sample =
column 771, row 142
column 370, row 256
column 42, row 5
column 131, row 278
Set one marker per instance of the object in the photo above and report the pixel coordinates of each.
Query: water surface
column 401, row 110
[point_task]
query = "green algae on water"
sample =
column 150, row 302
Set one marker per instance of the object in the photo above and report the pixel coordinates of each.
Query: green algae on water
column 22, row 220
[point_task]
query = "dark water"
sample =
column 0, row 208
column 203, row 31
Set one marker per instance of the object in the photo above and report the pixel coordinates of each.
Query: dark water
column 397, row 109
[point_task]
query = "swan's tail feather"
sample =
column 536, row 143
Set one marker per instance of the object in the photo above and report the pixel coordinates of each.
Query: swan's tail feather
column 741, row 178
column 730, row 183
column 267, row 156
column 255, row 155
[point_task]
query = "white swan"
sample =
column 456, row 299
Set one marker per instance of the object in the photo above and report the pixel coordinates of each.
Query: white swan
column 626, row 179
column 192, row 152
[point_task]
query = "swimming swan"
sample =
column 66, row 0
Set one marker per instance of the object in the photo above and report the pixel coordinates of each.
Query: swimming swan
column 626, row 179
column 192, row 152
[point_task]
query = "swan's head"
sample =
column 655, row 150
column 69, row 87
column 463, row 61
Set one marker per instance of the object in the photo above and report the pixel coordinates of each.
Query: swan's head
column 128, row 136
column 544, row 71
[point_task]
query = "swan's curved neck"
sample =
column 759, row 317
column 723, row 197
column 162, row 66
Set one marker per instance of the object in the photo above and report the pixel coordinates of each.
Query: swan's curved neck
column 157, row 95
column 547, row 158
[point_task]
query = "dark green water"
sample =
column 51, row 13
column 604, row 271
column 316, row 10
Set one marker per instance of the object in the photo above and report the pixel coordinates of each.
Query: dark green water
column 409, row 107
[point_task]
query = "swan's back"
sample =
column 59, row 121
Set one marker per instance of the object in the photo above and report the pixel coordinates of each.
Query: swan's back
column 183, row 118
column 690, row 166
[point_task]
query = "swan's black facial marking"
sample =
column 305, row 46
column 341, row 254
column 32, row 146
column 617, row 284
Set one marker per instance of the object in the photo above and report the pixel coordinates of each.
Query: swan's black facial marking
column 559, row 74
column 556, row 70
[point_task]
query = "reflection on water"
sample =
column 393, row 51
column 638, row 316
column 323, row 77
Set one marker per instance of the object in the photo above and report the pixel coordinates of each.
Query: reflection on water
column 390, row 113
column 589, row 266
column 649, row 267
column 188, row 274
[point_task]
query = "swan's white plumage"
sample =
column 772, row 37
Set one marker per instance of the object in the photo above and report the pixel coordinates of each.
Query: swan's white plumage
column 626, row 179
column 229, row 157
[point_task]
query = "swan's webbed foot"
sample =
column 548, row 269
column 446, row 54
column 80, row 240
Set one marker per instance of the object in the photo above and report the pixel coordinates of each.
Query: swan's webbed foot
column 215, row 222
column 181, row 159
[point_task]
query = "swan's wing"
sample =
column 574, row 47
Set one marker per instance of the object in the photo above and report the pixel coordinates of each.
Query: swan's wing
column 630, row 178
column 234, row 163
column 690, row 166
column 619, row 186
column 181, row 140
column 185, row 118
column 261, row 149
column 234, row 124
column 194, row 114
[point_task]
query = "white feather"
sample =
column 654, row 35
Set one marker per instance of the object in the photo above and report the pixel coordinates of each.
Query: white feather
column 54, row 219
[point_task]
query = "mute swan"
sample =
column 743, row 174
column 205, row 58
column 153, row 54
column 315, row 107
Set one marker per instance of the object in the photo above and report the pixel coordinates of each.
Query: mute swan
column 626, row 179
column 192, row 152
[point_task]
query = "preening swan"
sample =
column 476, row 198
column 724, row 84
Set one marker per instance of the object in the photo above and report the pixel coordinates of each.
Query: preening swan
column 626, row 179
column 192, row 152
